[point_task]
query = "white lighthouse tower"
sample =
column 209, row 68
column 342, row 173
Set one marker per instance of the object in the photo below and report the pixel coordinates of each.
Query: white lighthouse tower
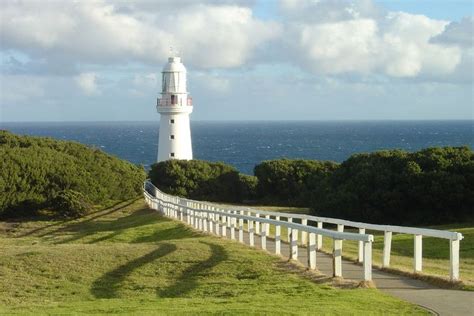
column 175, row 105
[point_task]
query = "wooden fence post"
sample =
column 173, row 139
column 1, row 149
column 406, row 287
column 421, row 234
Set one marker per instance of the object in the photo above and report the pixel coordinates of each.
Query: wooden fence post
column 217, row 228
column 232, row 227
column 360, row 257
column 304, row 234
column 312, row 251
column 241, row 228
column 417, row 259
column 368, row 261
column 251, row 237
column 454, row 260
column 211, row 221
column 290, row 220
column 337, row 257
column 257, row 224
column 293, row 244
column 340, row 228
column 188, row 215
column 204, row 221
column 277, row 237
column 319, row 237
column 263, row 237
column 387, row 248
column 224, row 225
column 200, row 218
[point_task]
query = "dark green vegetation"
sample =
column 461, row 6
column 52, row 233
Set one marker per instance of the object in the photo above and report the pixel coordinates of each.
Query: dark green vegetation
column 129, row 260
column 292, row 182
column 202, row 180
column 38, row 173
column 431, row 186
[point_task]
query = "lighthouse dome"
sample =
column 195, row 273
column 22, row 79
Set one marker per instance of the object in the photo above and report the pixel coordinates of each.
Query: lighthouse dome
column 174, row 64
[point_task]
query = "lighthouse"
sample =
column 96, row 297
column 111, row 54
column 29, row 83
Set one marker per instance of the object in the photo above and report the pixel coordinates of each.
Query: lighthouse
column 174, row 106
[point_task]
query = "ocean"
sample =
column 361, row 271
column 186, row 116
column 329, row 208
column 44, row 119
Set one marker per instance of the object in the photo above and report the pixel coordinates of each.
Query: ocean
column 245, row 144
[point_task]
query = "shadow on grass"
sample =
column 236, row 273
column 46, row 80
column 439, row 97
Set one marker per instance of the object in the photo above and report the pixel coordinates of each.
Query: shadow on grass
column 88, row 228
column 137, row 219
column 108, row 285
column 66, row 224
column 189, row 279
column 179, row 231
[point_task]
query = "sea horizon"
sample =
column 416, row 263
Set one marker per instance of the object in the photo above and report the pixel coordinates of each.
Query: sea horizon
column 244, row 144
column 250, row 120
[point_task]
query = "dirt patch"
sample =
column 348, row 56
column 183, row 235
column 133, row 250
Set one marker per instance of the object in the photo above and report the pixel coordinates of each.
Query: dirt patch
column 315, row 276
column 7, row 228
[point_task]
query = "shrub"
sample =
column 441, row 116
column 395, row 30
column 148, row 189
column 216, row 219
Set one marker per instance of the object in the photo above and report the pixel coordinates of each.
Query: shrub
column 291, row 181
column 202, row 180
column 248, row 187
column 34, row 170
column 70, row 203
column 432, row 186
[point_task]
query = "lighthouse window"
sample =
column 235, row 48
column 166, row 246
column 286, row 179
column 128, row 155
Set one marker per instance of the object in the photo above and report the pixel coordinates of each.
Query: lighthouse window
column 171, row 121
column 171, row 136
column 174, row 99
column 172, row 155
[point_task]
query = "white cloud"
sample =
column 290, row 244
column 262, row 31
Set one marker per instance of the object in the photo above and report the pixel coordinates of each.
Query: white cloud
column 408, row 50
column 356, row 37
column 106, row 32
column 338, row 47
column 87, row 82
column 324, row 37
column 457, row 33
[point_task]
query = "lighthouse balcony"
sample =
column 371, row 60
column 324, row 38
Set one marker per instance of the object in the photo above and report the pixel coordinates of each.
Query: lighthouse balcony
column 167, row 106
column 174, row 101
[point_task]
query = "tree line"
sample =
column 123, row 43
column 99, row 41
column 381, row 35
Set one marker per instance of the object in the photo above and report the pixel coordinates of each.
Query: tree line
column 430, row 186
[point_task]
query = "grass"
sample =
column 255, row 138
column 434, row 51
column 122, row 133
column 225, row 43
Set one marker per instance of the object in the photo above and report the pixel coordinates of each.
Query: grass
column 130, row 260
column 435, row 250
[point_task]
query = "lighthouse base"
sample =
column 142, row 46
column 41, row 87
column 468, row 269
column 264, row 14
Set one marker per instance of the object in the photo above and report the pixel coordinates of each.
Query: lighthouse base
column 174, row 140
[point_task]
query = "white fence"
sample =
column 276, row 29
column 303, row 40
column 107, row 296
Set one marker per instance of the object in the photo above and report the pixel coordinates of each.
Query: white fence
column 202, row 214
column 212, row 218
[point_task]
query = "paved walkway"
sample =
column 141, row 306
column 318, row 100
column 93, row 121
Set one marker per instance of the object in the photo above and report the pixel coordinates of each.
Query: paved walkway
column 439, row 301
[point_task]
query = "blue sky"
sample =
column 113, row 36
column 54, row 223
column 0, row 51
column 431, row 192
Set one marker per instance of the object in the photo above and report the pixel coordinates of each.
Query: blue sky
column 452, row 10
column 247, row 60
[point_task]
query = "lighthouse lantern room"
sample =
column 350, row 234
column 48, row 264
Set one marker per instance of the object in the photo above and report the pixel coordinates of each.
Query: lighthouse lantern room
column 175, row 105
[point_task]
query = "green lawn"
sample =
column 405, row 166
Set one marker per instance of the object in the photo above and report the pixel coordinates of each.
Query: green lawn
column 128, row 259
column 435, row 250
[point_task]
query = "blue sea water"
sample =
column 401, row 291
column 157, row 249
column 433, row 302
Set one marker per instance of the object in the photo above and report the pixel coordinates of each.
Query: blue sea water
column 245, row 144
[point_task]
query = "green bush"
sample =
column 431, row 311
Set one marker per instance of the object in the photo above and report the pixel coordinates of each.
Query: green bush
column 432, row 186
column 286, row 181
column 202, row 180
column 248, row 187
column 34, row 170
column 70, row 203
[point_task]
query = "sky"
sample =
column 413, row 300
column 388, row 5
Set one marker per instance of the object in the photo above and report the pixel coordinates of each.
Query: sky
column 100, row 60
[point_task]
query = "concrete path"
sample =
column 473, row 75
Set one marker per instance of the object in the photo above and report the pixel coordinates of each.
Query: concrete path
column 437, row 300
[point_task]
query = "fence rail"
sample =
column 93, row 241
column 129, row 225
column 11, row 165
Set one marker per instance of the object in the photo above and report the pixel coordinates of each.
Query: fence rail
column 311, row 229
column 216, row 219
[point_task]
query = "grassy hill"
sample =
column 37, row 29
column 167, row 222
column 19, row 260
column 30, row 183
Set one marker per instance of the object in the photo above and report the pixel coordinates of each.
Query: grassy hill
column 128, row 259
